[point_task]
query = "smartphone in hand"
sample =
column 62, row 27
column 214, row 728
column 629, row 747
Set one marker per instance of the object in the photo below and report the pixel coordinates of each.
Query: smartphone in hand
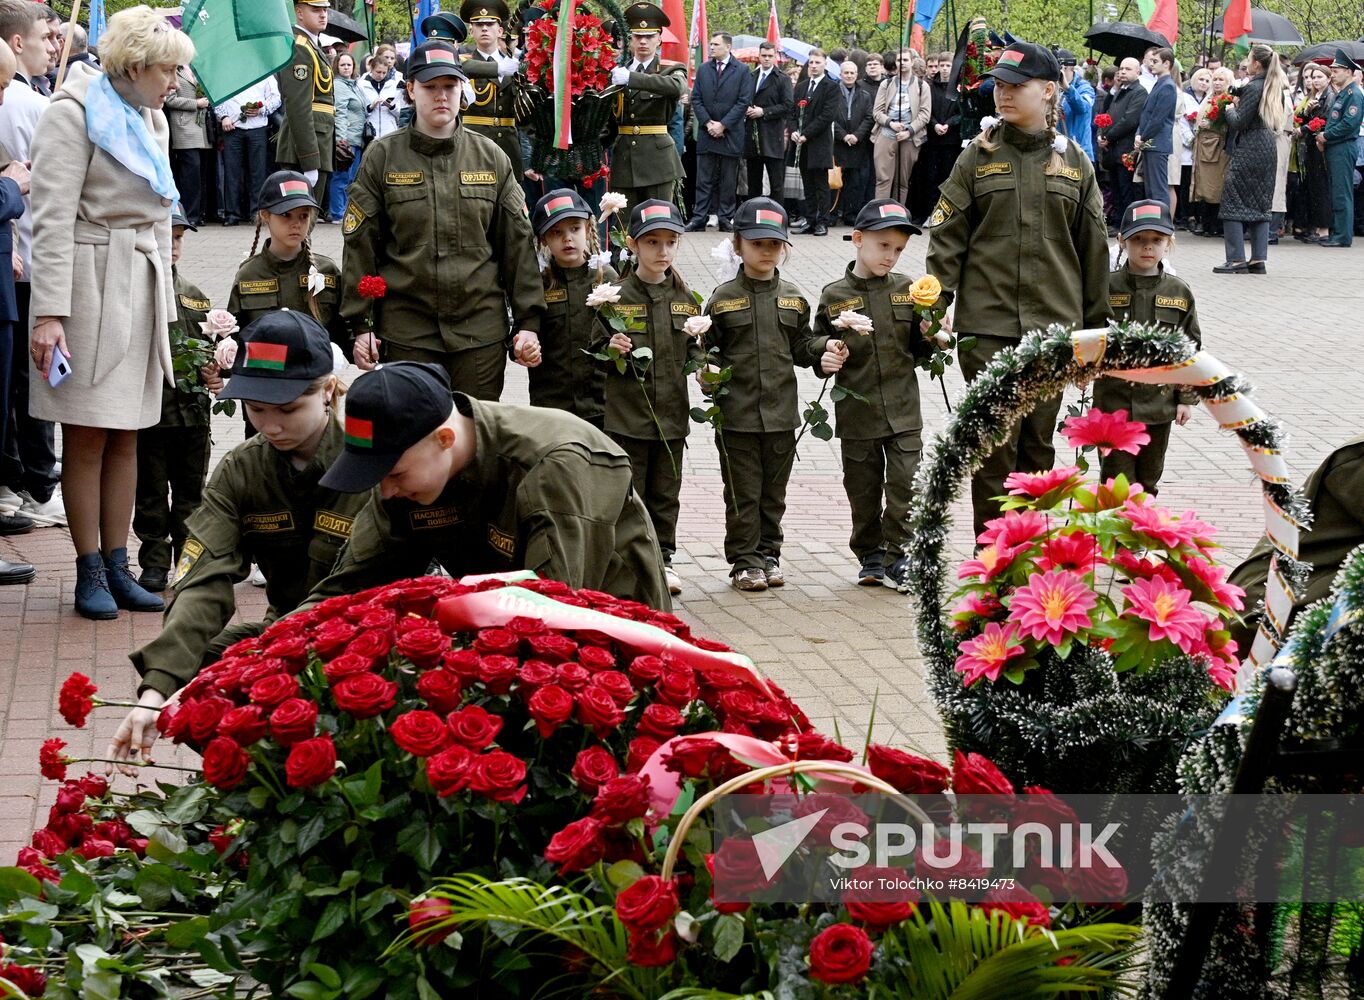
column 60, row 368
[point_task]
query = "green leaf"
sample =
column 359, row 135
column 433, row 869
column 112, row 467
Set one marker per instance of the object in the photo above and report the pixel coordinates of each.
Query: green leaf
column 624, row 874
column 188, row 805
column 822, row 431
column 331, row 920
column 16, row 883
column 187, row 933
column 325, row 974
column 425, row 990
column 311, row 990
column 310, row 833
column 965, row 343
column 729, row 936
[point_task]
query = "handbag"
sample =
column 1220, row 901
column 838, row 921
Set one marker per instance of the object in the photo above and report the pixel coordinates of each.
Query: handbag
column 835, row 178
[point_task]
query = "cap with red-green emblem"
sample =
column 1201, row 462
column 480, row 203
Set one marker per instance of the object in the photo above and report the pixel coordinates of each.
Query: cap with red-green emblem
column 1024, row 61
column 1149, row 215
column 884, row 213
column 284, row 191
column 555, row 207
column 281, row 355
column 648, row 216
column 762, row 219
column 433, row 59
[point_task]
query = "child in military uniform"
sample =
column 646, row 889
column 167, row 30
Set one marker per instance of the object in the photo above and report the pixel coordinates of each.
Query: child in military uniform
column 1018, row 240
column 879, row 437
column 172, row 457
column 759, row 328
column 647, row 412
column 567, row 377
column 266, row 504
column 1141, row 291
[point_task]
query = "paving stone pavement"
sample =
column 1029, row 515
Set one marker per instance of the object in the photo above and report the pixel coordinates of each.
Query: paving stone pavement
column 834, row 646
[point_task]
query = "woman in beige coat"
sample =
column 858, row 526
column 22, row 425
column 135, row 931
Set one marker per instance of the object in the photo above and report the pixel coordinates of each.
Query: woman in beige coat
column 1209, row 159
column 102, row 290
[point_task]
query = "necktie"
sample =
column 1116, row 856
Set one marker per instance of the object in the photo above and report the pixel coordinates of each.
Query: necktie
column 762, row 78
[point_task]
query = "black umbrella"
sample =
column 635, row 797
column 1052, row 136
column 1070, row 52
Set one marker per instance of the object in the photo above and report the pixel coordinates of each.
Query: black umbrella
column 1122, row 39
column 1327, row 50
column 345, row 27
column 1266, row 27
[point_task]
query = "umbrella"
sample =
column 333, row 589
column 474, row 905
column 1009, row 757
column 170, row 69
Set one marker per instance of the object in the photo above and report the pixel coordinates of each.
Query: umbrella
column 747, row 41
column 345, row 27
column 1327, row 50
column 1266, row 27
column 1122, row 39
column 796, row 49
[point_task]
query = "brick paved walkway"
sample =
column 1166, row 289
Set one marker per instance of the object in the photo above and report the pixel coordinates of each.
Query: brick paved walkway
column 831, row 644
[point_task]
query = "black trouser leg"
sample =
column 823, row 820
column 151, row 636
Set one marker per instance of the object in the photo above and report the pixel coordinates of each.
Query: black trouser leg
column 816, row 195
column 657, row 480
column 151, row 512
column 1146, row 466
column 31, row 452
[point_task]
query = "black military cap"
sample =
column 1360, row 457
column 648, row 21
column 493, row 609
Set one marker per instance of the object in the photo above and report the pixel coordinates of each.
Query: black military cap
column 1147, row 216
column 388, row 410
column 285, row 190
column 313, row 3
column 1343, row 61
column 645, row 19
column 484, row 10
column 1010, row 39
column 1024, row 61
column 884, row 213
column 178, row 219
column 445, row 25
column 282, row 354
column 654, row 214
column 434, row 59
column 555, row 207
column 995, row 41
column 762, row 219
column 1065, row 57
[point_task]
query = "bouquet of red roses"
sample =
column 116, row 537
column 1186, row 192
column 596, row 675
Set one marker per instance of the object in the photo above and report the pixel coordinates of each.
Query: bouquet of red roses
column 1103, row 121
column 593, row 53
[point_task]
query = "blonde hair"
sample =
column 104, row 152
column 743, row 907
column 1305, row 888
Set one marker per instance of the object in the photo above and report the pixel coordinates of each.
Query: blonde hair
column 989, row 142
column 1272, row 110
column 140, row 36
column 593, row 250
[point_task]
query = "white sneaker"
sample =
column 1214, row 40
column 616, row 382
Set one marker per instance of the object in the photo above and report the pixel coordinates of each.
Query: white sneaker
column 9, row 500
column 49, row 514
column 674, row 581
column 257, row 578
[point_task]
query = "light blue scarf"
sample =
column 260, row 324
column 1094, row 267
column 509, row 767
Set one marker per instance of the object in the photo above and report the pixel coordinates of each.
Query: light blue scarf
column 116, row 127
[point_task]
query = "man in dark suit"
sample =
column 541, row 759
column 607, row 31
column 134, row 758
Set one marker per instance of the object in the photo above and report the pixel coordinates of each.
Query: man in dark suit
column 1125, row 109
column 1157, row 125
column 720, row 99
column 811, row 120
column 852, row 141
column 765, row 147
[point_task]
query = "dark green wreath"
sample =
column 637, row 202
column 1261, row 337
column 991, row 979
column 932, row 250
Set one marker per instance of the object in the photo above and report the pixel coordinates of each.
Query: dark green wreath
column 1083, row 728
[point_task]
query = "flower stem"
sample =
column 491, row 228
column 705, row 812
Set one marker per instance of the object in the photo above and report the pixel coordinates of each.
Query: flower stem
column 823, row 388
column 128, row 763
column 639, row 377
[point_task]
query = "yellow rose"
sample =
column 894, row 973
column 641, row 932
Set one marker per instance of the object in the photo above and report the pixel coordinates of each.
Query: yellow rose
column 926, row 291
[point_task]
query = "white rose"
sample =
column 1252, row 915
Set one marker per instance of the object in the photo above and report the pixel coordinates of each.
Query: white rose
column 225, row 353
column 854, row 321
column 598, row 260
column 218, row 324
column 696, row 326
column 611, row 203
column 603, row 294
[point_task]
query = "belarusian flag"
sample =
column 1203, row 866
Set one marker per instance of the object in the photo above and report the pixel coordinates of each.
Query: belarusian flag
column 696, row 40
column 237, row 42
column 773, row 31
column 1161, row 16
column 1236, row 25
column 1010, row 57
column 563, row 75
column 883, row 15
column 262, row 355
column 288, row 189
column 1146, row 212
column 655, row 212
column 893, row 212
column 767, row 217
column 558, row 205
column 359, row 433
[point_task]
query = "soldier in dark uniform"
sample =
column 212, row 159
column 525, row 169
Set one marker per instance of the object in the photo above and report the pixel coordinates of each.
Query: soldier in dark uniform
column 492, row 78
column 437, row 213
column 1339, row 139
column 485, row 487
column 307, row 139
column 1142, row 290
column 444, row 25
column 172, row 457
column 265, row 505
column 644, row 161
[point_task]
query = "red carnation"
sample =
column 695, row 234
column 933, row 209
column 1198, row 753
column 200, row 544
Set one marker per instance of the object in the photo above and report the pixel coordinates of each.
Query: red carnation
column 293, row 721
column 448, row 771
column 499, row 775
column 474, row 727
column 441, row 690
column 365, row 695
column 420, row 733
column 423, row 647
column 311, row 762
column 75, row 701
column 550, row 707
column 802, row 103
column 225, row 763
column 910, row 774
column 51, row 761
column 597, row 709
column 423, row 913
column 840, row 954
column 593, row 768
column 1103, row 121
column 246, row 724
column 577, row 846
column 372, row 286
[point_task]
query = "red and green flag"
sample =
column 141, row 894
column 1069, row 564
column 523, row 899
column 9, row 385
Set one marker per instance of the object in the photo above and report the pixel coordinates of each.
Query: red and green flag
column 773, row 30
column 1010, row 57
column 558, row 205
column 893, row 212
column 288, row 189
column 269, row 356
column 1146, row 212
column 359, row 433
column 696, row 40
column 883, row 15
column 1236, row 26
column 440, row 56
column 767, row 217
column 563, row 75
column 655, row 212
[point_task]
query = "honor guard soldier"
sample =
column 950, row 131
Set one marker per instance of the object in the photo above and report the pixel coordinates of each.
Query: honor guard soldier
column 492, row 78
column 446, row 26
column 644, row 160
column 1338, row 139
column 438, row 214
column 307, row 139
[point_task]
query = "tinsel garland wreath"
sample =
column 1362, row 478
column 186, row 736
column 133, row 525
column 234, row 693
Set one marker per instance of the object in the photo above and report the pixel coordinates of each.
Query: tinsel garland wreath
column 1326, row 652
column 1093, row 729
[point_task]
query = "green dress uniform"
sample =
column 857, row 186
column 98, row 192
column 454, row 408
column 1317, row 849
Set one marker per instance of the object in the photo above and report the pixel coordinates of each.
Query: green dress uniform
column 880, row 439
column 307, row 140
column 257, row 509
column 568, row 377
column 1332, row 492
column 644, row 160
column 545, row 492
column 1018, row 249
column 1342, row 133
column 1157, row 298
column 172, row 456
column 655, row 450
column 443, row 222
column 265, row 283
column 761, row 332
column 492, row 106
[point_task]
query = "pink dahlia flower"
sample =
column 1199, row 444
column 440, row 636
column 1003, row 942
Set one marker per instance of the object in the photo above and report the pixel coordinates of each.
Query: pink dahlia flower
column 986, row 654
column 1052, row 606
column 1016, row 528
column 1037, row 484
column 1108, row 431
column 1165, row 607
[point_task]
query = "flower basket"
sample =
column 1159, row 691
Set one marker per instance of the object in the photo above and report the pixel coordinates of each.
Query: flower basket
column 1076, row 723
column 592, row 115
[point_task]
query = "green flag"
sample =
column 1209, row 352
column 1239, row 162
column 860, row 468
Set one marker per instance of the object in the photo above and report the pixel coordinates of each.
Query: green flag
column 237, row 42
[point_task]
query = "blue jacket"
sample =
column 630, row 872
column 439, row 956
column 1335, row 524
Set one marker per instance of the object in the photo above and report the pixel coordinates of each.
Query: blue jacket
column 11, row 207
column 1077, row 106
column 723, row 98
column 1158, row 116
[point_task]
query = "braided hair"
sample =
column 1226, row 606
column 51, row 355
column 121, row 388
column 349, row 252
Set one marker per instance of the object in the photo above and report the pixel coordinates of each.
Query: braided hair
column 255, row 242
column 1057, row 160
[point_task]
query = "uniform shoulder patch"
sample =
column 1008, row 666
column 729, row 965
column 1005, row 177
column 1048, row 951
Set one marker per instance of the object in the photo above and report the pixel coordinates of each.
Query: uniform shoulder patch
column 264, row 286
column 987, row 169
column 190, row 302
column 1172, row 302
column 501, row 541
column 729, row 306
column 1118, row 301
column 1070, row 173
column 942, row 211
column 686, row 309
column 556, row 295
column 351, row 221
column 477, row 177
column 331, row 523
column 791, row 302
column 404, row 178
column 846, row 305
column 330, row 280
column 189, row 555
column 300, row 72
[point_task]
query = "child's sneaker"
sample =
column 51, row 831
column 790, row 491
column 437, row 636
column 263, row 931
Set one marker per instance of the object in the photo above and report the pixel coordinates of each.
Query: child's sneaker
column 752, row 579
column 873, row 571
column 775, row 577
column 674, row 581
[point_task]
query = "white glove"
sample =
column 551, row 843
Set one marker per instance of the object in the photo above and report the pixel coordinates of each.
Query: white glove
column 312, row 177
column 620, row 76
